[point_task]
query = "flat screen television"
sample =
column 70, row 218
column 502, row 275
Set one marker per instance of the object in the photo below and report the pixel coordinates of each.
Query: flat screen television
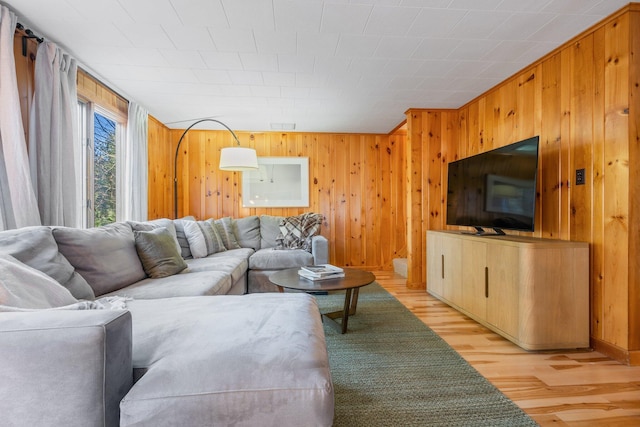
column 495, row 189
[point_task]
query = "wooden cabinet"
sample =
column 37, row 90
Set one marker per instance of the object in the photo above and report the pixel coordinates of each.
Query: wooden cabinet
column 534, row 292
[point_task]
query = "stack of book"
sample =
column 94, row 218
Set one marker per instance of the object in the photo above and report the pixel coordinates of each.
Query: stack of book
column 320, row 272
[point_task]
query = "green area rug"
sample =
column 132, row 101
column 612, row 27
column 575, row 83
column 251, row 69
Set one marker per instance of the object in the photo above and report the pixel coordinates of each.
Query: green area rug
column 390, row 369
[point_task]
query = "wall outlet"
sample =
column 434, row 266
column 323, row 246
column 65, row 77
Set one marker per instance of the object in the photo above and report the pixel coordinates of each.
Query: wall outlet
column 580, row 177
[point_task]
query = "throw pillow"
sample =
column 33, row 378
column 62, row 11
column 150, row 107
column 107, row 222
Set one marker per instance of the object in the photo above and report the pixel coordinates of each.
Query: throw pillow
column 203, row 238
column 247, row 231
column 22, row 286
column 105, row 256
column 36, row 247
column 225, row 229
column 157, row 223
column 298, row 231
column 185, row 251
column 158, row 253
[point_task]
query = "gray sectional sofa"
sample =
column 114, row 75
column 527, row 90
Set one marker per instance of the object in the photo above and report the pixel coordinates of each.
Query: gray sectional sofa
column 108, row 326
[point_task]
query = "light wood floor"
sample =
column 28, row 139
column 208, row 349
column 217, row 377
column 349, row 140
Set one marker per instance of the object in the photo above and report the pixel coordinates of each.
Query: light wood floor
column 555, row 388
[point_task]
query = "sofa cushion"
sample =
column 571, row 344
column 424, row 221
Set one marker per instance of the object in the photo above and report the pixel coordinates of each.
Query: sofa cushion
column 273, row 259
column 203, row 237
column 158, row 253
column 178, row 285
column 269, row 230
column 157, row 223
column 247, row 231
column 296, row 232
column 22, row 286
column 225, row 229
column 36, row 247
column 236, row 267
column 105, row 256
column 253, row 360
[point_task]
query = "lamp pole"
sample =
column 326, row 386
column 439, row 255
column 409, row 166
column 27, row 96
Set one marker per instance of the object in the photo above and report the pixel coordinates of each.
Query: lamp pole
column 175, row 160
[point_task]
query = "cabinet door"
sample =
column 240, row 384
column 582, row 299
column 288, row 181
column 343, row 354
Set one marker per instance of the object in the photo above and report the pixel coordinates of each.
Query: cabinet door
column 503, row 287
column 452, row 266
column 474, row 256
column 444, row 266
column 435, row 272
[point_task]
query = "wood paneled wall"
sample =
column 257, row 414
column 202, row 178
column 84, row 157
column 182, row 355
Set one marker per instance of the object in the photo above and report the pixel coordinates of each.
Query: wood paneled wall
column 356, row 181
column 583, row 101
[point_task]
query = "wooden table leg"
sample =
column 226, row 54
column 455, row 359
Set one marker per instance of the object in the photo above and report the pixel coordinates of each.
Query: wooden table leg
column 349, row 309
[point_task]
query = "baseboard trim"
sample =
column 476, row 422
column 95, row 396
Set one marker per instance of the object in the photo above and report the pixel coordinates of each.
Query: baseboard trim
column 619, row 354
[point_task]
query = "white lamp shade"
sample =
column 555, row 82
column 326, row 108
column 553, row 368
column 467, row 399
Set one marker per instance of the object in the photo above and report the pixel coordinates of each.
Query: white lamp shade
column 238, row 159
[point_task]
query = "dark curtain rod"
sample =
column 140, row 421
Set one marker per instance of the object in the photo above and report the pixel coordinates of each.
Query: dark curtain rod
column 29, row 33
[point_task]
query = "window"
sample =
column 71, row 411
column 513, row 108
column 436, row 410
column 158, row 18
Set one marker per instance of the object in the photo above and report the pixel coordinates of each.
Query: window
column 102, row 133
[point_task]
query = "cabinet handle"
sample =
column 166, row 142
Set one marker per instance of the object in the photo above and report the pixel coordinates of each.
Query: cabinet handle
column 442, row 267
column 486, row 282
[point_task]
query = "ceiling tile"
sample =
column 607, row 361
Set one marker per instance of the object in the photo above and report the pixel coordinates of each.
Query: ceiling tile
column 222, row 60
column 218, row 77
column 233, row 40
column 208, row 13
column 246, row 78
column 249, row 14
column 183, row 58
column 435, row 22
column 322, row 44
column 189, row 38
column 390, row 21
column 152, row 12
column 357, row 46
column 475, row 4
column 478, row 24
column 297, row 15
column 295, row 64
column 104, row 10
column 344, row 18
column 396, row 47
column 472, row 50
column 520, row 26
column 570, row 6
column 275, row 42
column 147, row 36
column 279, row 79
column 435, row 48
column 259, row 62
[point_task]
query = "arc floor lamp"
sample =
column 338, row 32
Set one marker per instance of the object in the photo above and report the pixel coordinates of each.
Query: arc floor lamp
column 231, row 159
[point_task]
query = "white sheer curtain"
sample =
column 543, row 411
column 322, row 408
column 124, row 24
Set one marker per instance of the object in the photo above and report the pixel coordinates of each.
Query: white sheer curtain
column 132, row 169
column 54, row 149
column 18, row 207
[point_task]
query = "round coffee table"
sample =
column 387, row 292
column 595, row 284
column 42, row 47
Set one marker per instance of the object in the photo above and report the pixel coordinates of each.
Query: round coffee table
column 352, row 281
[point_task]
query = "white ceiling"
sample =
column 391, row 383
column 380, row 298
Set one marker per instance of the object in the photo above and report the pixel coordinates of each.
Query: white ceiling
column 327, row 66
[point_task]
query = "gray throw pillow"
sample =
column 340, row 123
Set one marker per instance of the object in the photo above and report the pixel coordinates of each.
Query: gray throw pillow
column 225, row 229
column 203, row 237
column 157, row 223
column 185, row 250
column 158, row 253
column 105, row 256
column 247, row 231
column 36, row 247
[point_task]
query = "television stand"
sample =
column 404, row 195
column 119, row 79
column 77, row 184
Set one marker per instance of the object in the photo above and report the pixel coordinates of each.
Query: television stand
column 532, row 291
